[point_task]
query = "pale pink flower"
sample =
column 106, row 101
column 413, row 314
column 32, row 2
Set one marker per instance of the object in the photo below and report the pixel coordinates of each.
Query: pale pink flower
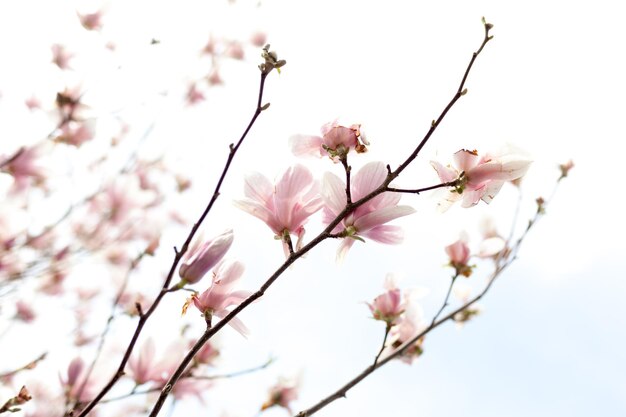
column 25, row 166
column 194, row 94
column 200, row 258
column 480, row 177
column 282, row 394
column 142, row 364
column 76, row 133
column 75, row 385
column 336, row 141
column 214, row 77
column 368, row 220
column 459, row 254
column 388, row 306
column 221, row 295
column 60, row 56
column 24, row 312
column 493, row 245
column 286, row 206
column 258, row 39
column 410, row 324
column 91, row 21
column 235, row 51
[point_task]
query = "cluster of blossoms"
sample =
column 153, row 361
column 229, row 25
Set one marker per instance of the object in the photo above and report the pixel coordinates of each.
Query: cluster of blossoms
column 402, row 316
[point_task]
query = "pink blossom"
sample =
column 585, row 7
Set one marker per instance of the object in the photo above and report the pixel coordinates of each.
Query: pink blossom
column 220, row 294
column 76, row 133
column 410, row 324
column 74, row 383
column 24, row 311
column 480, row 177
column 258, row 39
column 493, row 245
column 286, row 206
column 335, row 142
column 388, row 306
column 235, row 51
column 60, row 56
column 195, row 94
column 214, row 77
column 282, row 394
column 91, row 21
column 459, row 254
column 142, row 364
column 24, row 166
column 368, row 220
column 200, row 258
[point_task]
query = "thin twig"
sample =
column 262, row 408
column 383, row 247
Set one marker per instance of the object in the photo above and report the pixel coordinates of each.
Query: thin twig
column 382, row 347
column 178, row 255
column 445, row 301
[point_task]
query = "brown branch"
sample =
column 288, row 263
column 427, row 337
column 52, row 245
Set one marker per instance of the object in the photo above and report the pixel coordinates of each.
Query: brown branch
column 30, row 365
column 325, row 234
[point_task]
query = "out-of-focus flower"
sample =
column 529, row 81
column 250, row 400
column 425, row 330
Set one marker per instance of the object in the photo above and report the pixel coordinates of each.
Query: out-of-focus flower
column 24, row 165
column 335, row 142
column 76, row 388
column 286, row 206
column 235, row 50
column 368, row 220
column 91, row 21
column 282, row 394
column 76, row 133
column 195, row 95
column 60, row 56
column 479, row 177
column 459, row 254
column 258, row 39
column 410, row 324
column 142, row 364
column 200, row 258
column 388, row 306
column 214, row 77
column 221, row 295
column 493, row 245
column 24, row 312
column 566, row 168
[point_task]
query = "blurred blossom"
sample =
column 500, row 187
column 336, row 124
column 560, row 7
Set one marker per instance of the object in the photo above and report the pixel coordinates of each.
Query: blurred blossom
column 282, row 394
column 76, row 133
column 24, row 312
column 91, row 21
column 60, row 56
column 214, row 77
column 142, row 364
column 234, row 50
column 285, row 206
column 195, row 95
column 200, row 258
column 25, row 166
column 368, row 220
column 258, row 39
column 336, row 141
column 479, row 177
column 459, row 254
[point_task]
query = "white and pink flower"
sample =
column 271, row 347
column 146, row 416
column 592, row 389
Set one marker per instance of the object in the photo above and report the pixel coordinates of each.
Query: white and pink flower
column 286, row 206
column 200, row 258
column 368, row 220
column 479, row 177
column 221, row 295
column 336, row 141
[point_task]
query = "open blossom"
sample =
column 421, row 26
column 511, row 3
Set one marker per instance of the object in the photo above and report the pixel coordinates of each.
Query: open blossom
column 479, row 177
column 368, row 220
column 200, row 258
column 336, row 141
column 221, row 294
column 25, row 166
column 286, row 206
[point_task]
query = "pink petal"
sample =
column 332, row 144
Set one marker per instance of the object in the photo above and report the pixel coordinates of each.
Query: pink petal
column 446, row 174
column 333, row 193
column 381, row 216
column 258, row 188
column 466, row 160
column 370, row 177
column 304, row 145
column 388, row 234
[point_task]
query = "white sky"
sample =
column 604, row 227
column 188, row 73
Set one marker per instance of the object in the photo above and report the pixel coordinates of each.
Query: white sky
column 551, row 82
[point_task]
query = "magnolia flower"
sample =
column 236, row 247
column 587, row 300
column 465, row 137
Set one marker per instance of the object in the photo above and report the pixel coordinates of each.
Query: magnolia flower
column 200, row 258
column 142, row 364
column 369, row 219
column 220, row 294
column 409, row 325
column 282, row 394
column 286, row 206
column 24, row 165
column 459, row 254
column 493, row 245
column 336, row 141
column 479, row 177
column 388, row 306
column 76, row 133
